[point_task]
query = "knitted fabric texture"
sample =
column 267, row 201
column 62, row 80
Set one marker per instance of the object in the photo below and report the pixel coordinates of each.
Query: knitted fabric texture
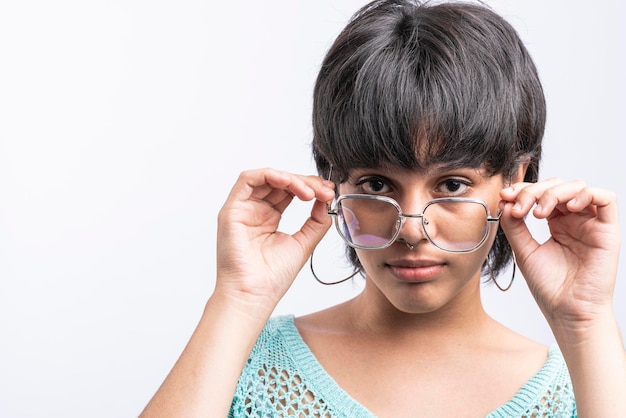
column 283, row 378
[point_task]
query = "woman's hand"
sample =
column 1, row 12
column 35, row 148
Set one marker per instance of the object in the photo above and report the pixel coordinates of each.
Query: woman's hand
column 255, row 261
column 571, row 275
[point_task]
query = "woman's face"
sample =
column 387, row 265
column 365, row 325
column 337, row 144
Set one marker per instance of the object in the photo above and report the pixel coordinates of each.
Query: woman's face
column 424, row 278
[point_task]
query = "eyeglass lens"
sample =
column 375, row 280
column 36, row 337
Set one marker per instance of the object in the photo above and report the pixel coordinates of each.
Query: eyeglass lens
column 450, row 225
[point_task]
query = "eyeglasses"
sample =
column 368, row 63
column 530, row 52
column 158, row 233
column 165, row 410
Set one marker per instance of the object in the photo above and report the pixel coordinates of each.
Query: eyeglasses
column 452, row 224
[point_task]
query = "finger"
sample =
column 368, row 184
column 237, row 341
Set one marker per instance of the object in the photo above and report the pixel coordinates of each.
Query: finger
column 519, row 236
column 281, row 205
column 548, row 198
column 601, row 202
column 259, row 184
column 315, row 227
column 323, row 191
column 577, row 197
column 263, row 183
column 553, row 201
column 277, row 197
column 319, row 222
column 525, row 195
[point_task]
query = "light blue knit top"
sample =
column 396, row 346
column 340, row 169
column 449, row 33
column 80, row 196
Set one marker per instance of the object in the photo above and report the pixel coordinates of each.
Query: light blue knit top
column 282, row 377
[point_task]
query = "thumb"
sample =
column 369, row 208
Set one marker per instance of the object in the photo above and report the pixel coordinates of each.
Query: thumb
column 517, row 233
column 314, row 228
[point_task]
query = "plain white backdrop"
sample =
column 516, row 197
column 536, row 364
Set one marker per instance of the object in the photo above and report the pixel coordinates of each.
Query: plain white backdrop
column 123, row 125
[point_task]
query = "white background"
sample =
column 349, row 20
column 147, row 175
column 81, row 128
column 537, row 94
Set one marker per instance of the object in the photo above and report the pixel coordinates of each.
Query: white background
column 123, row 125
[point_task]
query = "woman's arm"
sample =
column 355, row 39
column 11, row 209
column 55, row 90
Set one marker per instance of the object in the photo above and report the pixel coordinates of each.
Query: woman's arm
column 202, row 381
column 597, row 364
column 572, row 277
column 256, row 264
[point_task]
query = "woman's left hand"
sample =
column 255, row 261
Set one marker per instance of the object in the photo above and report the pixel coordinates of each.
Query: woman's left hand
column 572, row 274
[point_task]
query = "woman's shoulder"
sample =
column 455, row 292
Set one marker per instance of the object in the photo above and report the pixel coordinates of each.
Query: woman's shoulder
column 548, row 392
column 278, row 332
column 282, row 376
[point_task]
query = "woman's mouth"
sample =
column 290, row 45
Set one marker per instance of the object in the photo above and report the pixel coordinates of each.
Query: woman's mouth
column 416, row 271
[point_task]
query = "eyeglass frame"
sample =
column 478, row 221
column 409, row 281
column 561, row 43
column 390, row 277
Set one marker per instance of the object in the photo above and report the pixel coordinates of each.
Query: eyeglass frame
column 402, row 217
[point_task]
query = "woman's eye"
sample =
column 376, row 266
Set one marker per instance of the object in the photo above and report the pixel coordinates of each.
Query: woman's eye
column 373, row 185
column 453, row 186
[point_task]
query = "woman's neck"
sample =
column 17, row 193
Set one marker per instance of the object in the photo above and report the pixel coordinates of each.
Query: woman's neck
column 460, row 317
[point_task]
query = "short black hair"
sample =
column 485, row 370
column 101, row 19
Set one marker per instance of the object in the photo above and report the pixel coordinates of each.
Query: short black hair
column 411, row 83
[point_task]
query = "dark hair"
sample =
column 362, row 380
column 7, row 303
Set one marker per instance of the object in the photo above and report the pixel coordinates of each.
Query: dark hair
column 412, row 83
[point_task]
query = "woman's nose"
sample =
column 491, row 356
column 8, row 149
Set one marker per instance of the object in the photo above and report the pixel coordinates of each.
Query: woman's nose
column 412, row 230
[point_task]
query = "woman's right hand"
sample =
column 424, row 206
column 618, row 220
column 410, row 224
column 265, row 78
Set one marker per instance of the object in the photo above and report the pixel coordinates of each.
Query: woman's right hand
column 256, row 263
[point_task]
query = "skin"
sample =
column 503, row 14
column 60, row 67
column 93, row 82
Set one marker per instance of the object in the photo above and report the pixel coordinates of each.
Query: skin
column 425, row 339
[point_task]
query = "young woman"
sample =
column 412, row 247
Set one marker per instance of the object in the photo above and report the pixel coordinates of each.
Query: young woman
column 428, row 120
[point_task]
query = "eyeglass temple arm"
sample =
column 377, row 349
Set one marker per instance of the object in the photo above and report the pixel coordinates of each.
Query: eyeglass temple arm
column 496, row 218
column 329, row 207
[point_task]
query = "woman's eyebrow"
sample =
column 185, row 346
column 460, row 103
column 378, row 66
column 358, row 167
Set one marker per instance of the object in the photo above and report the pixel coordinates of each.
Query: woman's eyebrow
column 446, row 167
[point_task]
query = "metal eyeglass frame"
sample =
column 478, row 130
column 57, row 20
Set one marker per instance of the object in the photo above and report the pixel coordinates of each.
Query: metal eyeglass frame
column 402, row 217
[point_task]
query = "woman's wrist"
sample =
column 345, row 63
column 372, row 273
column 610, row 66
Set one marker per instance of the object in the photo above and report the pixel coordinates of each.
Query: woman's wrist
column 253, row 306
column 580, row 331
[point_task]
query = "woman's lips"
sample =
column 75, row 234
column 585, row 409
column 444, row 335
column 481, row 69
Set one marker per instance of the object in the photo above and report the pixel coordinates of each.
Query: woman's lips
column 416, row 271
